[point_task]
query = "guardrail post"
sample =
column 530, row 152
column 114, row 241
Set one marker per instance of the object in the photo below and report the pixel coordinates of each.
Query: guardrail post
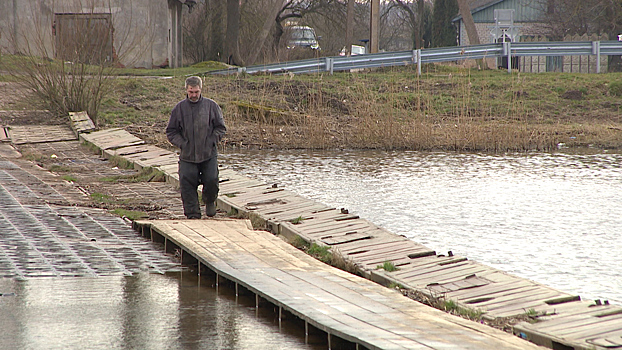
column 596, row 51
column 417, row 59
column 507, row 51
column 329, row 65
column 241, row 70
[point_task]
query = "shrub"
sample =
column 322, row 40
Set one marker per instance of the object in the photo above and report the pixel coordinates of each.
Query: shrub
column 615, row 88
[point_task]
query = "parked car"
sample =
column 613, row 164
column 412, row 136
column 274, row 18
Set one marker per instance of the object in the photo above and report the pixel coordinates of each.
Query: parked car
column 301, row 36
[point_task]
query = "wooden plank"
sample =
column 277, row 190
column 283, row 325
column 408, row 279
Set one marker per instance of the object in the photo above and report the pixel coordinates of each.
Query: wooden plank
column 25, row 134
column 340, row 303
column 163, row 160
column 123, row 151
column 491, row 289
column 81, row 122
column 521, row 296
column 111, row 139
column 340, row 239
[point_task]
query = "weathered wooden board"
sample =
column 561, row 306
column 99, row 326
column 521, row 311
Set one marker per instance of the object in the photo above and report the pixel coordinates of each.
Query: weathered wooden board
column 124, row 151
column 111, row 139
column 81, row 122
column 23, row 134
column 340, row 303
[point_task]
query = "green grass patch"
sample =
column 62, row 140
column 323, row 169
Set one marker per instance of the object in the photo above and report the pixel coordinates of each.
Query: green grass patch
column 471, row 314
column 531, row 312
column 69, row 178
column 387, row 266
column 130, row 214
column 615, row 88
column 121, row 162
column 300, row 243
column 101, row 198
column 147, row 174
column 60, row 168
column 297, row 220
column 321, row 253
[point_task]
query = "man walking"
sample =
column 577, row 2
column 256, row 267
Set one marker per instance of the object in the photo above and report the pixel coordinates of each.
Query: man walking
column 196, row 126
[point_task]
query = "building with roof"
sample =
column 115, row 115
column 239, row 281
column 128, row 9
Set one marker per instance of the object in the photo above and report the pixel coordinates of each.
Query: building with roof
column 138, row 33
column 523, row 20
column 526, row 20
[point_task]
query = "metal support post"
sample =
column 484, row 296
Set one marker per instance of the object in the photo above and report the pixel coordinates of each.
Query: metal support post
column 507, row 51
column 306, row 332
column 596, row 51
column 419, row 61
column 416, row 58
column 329, row 65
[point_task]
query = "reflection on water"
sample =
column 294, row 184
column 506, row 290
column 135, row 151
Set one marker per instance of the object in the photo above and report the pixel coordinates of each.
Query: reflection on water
column 146, row 311
column 552, row 218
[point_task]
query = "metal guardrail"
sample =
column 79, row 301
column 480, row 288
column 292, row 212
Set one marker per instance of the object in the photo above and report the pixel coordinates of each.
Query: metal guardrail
column 431, row 55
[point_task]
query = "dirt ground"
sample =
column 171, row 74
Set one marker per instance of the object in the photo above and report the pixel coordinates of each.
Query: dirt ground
column 14, row 109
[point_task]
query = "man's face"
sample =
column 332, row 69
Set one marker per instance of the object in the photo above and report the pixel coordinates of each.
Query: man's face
column 194, row 92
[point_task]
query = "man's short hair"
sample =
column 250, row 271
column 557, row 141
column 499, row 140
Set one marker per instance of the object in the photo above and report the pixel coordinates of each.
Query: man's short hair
column 194, row 81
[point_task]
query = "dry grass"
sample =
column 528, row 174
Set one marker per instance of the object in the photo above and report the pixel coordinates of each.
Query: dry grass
column 447, row 108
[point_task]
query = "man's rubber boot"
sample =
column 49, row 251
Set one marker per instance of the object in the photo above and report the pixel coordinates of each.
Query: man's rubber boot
column 210, row 209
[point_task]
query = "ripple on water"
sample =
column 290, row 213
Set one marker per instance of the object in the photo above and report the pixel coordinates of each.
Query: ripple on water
column 552, row 218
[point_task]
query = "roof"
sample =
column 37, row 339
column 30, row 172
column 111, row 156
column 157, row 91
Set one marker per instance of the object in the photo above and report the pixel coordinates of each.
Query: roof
column 478, row 5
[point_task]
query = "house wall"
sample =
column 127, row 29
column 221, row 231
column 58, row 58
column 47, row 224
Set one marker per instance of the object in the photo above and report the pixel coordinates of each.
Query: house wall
column 524, row 11
column 484, row 31
column 526, row 16
column 140, row 27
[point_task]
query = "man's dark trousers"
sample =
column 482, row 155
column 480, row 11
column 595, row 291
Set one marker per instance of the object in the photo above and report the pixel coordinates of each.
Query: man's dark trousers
column 190, row 176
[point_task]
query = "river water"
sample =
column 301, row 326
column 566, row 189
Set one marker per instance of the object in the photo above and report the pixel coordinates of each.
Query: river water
column 554, row 218
column 142, row 311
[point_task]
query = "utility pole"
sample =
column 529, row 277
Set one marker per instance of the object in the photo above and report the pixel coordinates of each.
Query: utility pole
column 374, row 26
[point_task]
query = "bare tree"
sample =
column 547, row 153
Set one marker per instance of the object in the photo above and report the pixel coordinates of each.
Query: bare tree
column 417, row 19
column 349, row 27
column 469, row 24
column 581, row 17
column 204, row 32
column 273, row 10
column 232, row 40
column 578, row 17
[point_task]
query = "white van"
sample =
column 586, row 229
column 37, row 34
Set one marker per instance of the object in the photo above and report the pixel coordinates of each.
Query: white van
column 301, row 36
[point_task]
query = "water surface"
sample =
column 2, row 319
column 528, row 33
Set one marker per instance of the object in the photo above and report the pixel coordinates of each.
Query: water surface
column 144, row 311
column 552, row 218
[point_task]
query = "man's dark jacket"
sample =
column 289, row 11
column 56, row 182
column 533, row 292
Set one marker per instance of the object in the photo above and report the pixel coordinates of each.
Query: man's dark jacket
column 196, row 128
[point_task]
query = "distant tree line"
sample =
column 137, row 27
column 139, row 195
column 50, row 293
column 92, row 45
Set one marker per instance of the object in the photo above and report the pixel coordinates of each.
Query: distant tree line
column 245, row 32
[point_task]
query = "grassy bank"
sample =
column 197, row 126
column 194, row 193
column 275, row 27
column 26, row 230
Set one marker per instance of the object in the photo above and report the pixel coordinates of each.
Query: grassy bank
column 447, row 108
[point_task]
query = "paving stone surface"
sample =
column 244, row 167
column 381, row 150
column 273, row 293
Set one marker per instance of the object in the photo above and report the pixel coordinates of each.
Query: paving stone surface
column 52, row 227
